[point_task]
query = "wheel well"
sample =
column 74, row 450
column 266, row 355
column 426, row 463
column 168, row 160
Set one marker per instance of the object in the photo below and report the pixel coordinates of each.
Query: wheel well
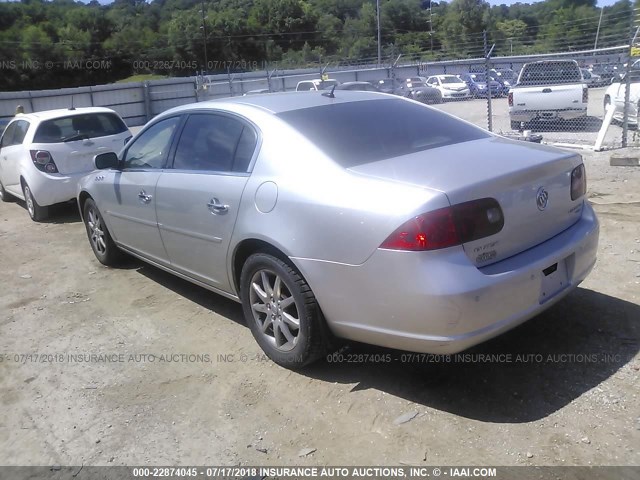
column 82, row 198
column 248, row 247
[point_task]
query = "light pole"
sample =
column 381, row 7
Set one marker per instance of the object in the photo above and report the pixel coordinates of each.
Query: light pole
column 595, row 45
column 379, row 43
column 204, row 37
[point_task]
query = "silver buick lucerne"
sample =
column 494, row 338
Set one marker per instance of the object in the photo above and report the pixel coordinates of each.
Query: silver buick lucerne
column 355, row 215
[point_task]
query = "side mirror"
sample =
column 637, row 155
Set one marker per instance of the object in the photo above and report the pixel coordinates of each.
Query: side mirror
column 106, row 160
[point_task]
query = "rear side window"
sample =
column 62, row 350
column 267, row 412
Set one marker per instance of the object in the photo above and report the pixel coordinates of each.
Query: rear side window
column 217, row 143
column 15, row 133
column 549, row 73
column 78, row 127
column 362, row 132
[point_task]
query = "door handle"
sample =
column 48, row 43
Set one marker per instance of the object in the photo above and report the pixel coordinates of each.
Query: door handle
column 144, row 198
column 216, row 207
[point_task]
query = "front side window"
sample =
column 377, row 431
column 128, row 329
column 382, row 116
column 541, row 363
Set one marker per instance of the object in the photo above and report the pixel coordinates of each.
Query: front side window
column 150, row 149
column 7, row 136
column 216, row 143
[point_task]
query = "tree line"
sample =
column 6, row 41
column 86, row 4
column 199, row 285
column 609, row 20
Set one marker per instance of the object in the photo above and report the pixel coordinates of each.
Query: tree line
column 50, row 44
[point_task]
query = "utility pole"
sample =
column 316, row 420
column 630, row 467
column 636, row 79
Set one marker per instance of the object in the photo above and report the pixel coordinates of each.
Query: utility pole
column 595, row 45
column 431, row 26
column 204, row 37
column 379, row 36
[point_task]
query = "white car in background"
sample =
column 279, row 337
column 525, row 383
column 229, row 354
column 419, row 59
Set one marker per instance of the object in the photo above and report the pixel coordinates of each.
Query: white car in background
column 43, row 155
column 615, row 95
column 451, row 87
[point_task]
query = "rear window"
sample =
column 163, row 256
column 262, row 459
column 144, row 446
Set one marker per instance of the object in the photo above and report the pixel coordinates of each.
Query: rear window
column 77, row 127
column 550, row 73
column 361, row 132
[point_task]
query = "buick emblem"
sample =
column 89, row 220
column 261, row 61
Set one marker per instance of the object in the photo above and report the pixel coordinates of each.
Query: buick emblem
column 542, row 197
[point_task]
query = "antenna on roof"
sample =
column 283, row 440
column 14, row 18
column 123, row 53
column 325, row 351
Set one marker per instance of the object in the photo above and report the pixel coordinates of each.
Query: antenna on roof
column 72, row 107
column 330, row 94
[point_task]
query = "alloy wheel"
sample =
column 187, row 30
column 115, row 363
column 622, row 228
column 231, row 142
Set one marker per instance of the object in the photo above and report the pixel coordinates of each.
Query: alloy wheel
column 96, row 231
column 274, row 310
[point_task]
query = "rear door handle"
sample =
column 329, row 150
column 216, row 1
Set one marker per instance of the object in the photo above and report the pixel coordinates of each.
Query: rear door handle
column 144, row 198
column 216, row 207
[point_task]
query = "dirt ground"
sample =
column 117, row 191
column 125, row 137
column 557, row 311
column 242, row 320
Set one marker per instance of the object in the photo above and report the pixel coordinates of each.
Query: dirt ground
column 133, row 366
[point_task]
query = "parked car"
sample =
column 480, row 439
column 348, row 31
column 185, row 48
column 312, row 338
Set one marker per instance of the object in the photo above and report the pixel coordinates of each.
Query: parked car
column 44, row 154
column 420, row 92
column 477, row 83
column 606, row 72
column 359, row 86
column 615, row 94
column 317, row 84
column 450, row 86
column 505, row 76
column 390, row 85
column 591, row 79
column 275, row 202
column 548, row 90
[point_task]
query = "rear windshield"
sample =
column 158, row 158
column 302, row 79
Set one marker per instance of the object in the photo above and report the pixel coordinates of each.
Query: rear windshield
column 361, row 132
column 549, row 73
column 77, row 127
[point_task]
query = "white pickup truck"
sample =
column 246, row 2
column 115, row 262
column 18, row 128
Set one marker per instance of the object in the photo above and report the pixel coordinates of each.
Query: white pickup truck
column 548, row 90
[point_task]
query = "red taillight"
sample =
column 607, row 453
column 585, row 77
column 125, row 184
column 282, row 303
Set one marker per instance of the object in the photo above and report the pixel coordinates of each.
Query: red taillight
column 578, row 182
column 510, row 98
column 43, row 161
column 585, row 95
column 429, row 231
column 448, row 226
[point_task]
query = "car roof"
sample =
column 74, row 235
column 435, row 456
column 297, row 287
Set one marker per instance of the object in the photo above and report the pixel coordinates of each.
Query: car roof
column 61, row 112
column 283, row 101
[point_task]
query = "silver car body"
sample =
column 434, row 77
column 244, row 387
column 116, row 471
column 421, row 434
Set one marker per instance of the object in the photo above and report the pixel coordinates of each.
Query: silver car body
column 331, row 221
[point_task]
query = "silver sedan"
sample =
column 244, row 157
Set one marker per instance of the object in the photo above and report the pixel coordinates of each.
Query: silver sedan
column 356, row 215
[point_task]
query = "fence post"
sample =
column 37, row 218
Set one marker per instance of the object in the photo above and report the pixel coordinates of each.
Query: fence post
column 146, row 95
column 91, row 95
column 627, row 88
column 487, row 67
column 230, row 82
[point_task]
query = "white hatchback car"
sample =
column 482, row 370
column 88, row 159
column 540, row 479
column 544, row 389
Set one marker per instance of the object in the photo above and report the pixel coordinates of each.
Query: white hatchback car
column 44, row 154
column 450, row 86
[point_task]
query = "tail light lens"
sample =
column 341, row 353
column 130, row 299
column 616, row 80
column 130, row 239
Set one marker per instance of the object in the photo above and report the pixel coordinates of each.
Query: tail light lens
column 585, row 95
column 448, row 226
column 510, row 97
column 43, row 161
column 578, row 182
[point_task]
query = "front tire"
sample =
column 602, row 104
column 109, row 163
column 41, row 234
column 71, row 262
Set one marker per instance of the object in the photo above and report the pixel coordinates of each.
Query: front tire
column 36, row 212
column 103, row 246
column 282, row 312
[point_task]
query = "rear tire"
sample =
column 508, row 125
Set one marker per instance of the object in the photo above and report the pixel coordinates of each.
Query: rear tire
column 282, row 312
column 103, row 246
column 4, row 195
column 36, row 212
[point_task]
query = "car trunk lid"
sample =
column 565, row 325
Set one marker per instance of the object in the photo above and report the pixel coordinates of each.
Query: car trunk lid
column 532, row 184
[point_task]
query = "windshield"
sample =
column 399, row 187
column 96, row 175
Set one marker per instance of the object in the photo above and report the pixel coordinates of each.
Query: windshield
column 355, row 133
column 450, row 80
column 479, row 77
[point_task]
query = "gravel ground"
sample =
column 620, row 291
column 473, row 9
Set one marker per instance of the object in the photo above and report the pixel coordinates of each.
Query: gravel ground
column 176, row 377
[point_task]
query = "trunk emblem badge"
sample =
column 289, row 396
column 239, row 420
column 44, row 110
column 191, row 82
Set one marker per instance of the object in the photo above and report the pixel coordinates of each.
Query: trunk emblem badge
column 542, row 197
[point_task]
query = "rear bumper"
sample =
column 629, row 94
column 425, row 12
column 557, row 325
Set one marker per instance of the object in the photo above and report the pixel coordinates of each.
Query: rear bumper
column 531, row 115
column 438, row 302
column 51, row 189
